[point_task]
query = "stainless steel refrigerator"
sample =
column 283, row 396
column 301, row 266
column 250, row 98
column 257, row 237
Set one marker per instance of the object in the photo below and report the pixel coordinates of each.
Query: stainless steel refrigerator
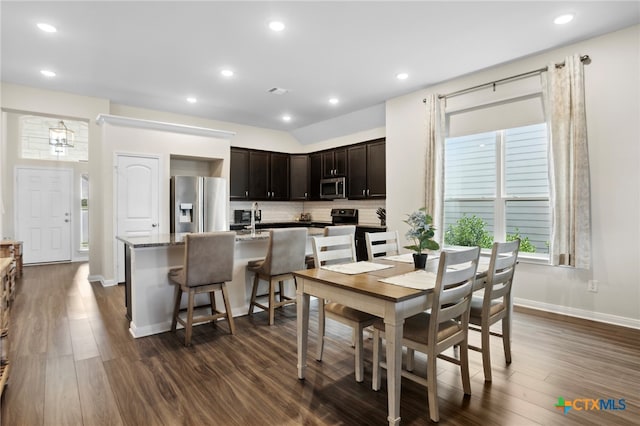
column 198, row 204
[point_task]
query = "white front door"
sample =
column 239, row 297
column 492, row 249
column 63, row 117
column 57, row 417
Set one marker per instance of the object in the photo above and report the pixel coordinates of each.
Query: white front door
column 137, row 200
column 43, row 214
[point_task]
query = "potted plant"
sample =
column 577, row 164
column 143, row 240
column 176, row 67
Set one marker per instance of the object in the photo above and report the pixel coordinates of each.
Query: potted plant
column 421, row 231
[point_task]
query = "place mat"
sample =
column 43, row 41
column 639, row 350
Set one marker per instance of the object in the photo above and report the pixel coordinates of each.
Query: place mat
column 407, row 258
column 356, row 267
column 420, row 279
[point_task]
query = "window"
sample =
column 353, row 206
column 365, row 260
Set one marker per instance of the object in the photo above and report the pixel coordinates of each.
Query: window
column 497, row 188
column 34, row 139
column 84, row 212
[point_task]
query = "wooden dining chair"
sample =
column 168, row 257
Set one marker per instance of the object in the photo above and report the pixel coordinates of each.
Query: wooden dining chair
column 382, row 244
column 285, row 254
column 334, row 250
column 495, row 304
column 208, row 265
column 444, row 326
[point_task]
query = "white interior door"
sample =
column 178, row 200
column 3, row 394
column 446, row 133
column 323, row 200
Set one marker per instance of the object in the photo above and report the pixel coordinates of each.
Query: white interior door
column 43, row 214
column 137, row 200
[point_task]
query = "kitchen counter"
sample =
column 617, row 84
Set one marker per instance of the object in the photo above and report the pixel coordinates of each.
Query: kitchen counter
column 149, row 294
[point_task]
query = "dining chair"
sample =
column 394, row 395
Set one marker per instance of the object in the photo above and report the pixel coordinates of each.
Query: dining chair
column 444, row 326
column 496, row 303
column 208, row 264
column 334, row 250
column 285, row 254
column 382, row 244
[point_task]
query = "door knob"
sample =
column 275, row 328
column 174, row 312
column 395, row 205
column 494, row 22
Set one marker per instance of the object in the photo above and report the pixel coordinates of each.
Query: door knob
column 154, row 225
column 66, row 220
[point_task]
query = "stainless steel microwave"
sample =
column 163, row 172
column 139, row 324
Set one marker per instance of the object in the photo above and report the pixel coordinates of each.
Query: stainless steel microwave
column 333, row 188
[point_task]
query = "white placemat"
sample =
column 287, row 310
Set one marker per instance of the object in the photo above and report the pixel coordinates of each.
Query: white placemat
column 407, row 258
column 420, row 279
column 356, row 267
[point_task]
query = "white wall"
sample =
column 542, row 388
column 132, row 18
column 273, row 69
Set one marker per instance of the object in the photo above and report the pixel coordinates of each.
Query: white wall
column 613, row 117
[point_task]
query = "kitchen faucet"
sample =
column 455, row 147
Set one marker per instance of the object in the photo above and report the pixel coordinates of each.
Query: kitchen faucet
column 254, row 209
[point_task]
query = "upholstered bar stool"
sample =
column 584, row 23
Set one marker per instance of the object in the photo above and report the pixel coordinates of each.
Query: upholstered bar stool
column 286, row 253
column 208, row 264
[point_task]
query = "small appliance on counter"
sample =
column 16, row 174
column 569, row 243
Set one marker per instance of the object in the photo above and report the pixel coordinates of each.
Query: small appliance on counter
column 244, row 216
column 305, row 217
column 198, row 204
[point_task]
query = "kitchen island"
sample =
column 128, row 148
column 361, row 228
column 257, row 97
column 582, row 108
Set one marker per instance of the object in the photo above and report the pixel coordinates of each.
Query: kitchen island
column 149, row 294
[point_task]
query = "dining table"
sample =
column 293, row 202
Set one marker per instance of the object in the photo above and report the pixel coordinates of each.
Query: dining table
column 388, row 287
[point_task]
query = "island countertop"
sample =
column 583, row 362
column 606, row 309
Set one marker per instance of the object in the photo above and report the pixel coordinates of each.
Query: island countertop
column 166, row 240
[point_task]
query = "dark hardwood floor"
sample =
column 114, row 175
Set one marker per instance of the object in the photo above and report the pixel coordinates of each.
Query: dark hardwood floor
column 74, row 363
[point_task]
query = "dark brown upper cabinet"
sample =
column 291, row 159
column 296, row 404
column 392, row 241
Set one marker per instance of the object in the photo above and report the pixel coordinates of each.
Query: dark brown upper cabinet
column 299, row 177
column 239, row 174
column 334, row 162
column 259, row 175
column 315, row 174
column 366, row 176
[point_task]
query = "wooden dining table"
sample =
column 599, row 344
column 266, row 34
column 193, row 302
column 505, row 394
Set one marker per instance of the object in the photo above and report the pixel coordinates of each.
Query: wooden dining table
column 365, row 292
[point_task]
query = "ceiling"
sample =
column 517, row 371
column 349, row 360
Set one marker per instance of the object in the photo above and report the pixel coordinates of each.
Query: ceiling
column 155, row 54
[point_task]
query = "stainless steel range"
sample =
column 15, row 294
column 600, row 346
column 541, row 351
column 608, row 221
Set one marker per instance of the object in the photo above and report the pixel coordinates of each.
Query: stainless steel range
column 344, row 216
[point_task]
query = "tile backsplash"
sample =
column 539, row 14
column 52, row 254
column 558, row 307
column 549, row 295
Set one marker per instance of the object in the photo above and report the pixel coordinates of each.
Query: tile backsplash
column 278, row 211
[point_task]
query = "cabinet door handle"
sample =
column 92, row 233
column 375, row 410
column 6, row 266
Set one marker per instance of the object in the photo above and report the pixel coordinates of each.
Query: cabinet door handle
column 246, row 194
column 367, row 192
column 306, row 195
column 363, row 192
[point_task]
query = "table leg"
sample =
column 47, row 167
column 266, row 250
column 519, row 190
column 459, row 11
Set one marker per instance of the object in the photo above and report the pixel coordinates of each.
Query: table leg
column 393, row 335
column 302, row 308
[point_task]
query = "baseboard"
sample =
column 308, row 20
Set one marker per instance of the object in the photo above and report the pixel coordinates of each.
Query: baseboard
column 101, row 280
column 578, row 313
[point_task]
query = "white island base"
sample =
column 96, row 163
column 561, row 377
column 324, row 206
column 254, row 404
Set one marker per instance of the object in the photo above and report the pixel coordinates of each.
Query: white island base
column 150, row 295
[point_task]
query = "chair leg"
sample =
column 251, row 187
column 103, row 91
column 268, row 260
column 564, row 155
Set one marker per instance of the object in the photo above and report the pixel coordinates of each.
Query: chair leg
column 376, row 379
column 281, row 290
column 214, row 310
column 320, row 329
column 464, row 367
column 432, row 389
column 486, row 352
column 254, row 292
column 227, row 308
column 189, row 327
column 177, row 297
column 272, row 302
column 359, row 354
column 506, row 338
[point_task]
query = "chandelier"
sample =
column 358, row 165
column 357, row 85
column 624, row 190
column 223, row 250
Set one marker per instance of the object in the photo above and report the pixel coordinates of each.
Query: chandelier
column 60, row 137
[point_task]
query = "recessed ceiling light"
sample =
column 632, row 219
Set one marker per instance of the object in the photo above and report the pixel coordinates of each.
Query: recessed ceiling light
column 47, row 28
column 286, row 118
column 402, row 76
column 276, row 25
column 563, row 19
column 334, row 101
column 48, row 73
column 192, row 100
column 227, row 73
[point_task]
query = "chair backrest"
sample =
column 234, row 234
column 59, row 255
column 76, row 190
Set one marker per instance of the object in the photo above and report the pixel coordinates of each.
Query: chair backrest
column 502, row 266
column 208, row 258
column 334, row 249
column 330, row 231
column 388, row 243
column 286, row 252
column 453, row 290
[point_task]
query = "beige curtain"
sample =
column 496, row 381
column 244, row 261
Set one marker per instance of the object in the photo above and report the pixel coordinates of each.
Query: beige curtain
column 563, row 93
column 434, row 176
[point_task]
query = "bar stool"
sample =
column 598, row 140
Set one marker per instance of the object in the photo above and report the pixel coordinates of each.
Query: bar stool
column 286, row 253
column 208, row 264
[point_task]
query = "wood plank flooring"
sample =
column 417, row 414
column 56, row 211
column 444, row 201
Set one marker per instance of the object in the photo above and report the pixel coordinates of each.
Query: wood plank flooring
column 75, row 363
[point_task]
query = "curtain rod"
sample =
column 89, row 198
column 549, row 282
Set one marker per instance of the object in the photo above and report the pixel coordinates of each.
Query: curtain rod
column 584, row 58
